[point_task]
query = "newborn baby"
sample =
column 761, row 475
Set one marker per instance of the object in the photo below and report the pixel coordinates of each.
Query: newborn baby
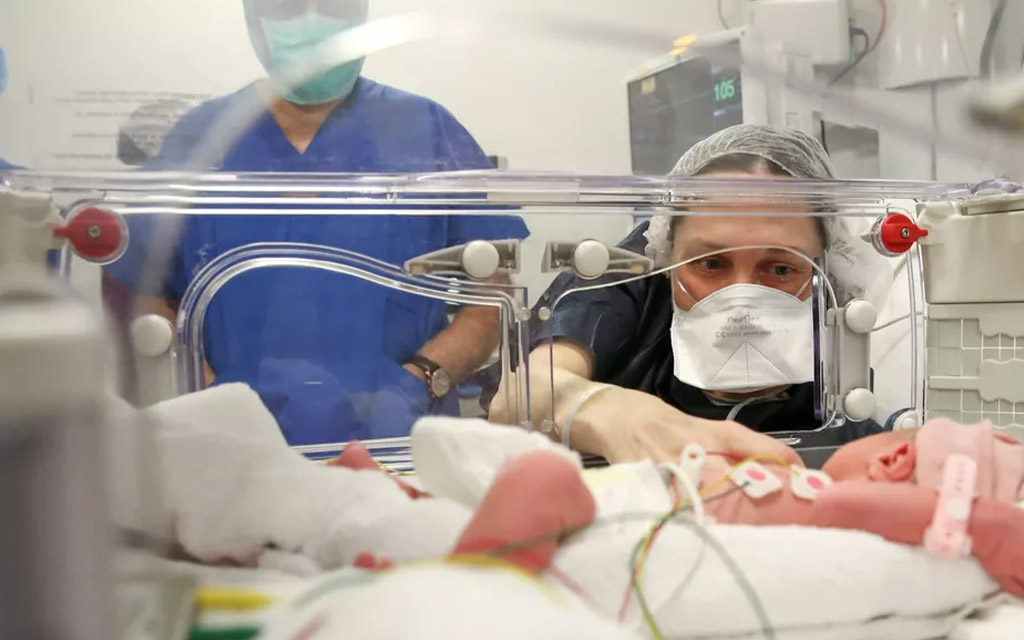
column 888, row 484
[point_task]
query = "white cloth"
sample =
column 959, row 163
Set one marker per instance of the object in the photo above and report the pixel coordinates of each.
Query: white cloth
column 814, row 583
column 231, row 488
column 459, row 458
column 1002, row 621
column 450, row 602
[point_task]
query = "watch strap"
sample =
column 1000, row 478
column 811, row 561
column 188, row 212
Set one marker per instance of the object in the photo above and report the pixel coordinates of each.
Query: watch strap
column 425, row 364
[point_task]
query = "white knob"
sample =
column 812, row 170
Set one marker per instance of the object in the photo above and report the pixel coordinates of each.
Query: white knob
column 861, row 316
column 152, row 335
column 590, row 259
column 480, row 259
column 906, row 420
column 859, row 405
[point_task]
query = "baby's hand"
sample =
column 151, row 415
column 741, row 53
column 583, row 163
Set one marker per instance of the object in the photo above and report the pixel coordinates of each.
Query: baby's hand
column 370, row 562
column 357, row 457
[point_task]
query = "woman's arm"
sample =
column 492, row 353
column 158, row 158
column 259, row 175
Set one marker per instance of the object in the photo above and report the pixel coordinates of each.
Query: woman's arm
column 622, row 424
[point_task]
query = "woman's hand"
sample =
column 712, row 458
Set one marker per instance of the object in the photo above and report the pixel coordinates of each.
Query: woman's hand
column 624, row 425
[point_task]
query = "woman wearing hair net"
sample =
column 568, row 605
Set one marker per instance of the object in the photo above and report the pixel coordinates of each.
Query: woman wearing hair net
column 638, row 369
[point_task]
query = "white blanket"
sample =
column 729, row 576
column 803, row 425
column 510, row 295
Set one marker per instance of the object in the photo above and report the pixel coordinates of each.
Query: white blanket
column 813, row 583
column 232, row 489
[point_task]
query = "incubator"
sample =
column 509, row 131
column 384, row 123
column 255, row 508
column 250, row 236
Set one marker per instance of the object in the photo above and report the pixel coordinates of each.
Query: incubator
column 354, row 387
column 394, row 269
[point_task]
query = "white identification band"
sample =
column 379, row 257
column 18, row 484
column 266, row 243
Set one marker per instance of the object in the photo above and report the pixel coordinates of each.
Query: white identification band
column 580, row 401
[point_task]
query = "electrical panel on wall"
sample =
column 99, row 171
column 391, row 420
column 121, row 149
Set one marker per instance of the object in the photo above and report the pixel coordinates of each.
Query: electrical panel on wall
column 932, row 41
column 819, row 27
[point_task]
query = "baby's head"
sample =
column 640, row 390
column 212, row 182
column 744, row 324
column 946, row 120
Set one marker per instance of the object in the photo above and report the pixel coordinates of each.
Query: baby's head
column 866, row 458
column 919, row 456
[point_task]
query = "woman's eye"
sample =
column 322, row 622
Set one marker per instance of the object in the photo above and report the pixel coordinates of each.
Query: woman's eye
column 712, row 264
column 782, row 270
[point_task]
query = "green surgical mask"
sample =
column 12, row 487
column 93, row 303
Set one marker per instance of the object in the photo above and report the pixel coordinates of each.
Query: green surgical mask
column 288, row 41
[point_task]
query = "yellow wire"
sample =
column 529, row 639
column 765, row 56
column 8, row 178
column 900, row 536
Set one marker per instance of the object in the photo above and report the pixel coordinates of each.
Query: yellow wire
column 392, row 471
column 681, row 503
column 754, row 458
column 395, row 472
column 490, row 562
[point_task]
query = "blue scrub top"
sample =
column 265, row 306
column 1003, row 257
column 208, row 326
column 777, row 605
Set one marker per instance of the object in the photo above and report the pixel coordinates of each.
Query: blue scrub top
column 7, row 165
column 324, row 350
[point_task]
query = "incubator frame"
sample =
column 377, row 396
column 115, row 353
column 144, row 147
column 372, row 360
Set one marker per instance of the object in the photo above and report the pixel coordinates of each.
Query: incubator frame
column 477, row 193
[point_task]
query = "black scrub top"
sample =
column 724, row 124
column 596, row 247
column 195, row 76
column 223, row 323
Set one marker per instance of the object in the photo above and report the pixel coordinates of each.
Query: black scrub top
column 627, row 328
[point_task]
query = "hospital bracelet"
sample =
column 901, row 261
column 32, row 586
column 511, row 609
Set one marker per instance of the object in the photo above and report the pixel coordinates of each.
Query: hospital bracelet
column 586, row 395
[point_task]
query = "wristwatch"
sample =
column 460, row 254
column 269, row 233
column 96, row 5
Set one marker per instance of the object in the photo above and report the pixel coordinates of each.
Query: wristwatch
column 439, row 381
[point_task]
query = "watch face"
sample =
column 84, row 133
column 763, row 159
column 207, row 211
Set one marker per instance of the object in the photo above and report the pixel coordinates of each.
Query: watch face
column 440, row 383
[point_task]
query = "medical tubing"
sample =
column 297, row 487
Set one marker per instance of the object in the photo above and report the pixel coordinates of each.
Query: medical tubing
column 915, row 388
column 697, row 505
column 741, row 579
column 735, row 411
column 897, row 320
column 580, row 401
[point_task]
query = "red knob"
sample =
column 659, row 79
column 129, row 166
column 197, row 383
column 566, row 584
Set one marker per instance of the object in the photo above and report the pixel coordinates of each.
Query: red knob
column 897, row 233
column 95, row 234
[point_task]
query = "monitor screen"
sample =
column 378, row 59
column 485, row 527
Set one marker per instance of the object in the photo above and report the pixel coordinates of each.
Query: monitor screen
column 673, row 109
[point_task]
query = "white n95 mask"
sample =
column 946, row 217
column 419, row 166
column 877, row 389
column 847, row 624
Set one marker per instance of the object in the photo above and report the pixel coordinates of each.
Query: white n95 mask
column 745, row 337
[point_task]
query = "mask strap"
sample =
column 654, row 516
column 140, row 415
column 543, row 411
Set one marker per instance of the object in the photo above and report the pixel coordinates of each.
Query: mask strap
column 682, row 288
column 804, row 287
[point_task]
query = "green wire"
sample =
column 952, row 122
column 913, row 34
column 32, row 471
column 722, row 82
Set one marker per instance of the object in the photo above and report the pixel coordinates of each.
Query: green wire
column 349, row 580
column 641, row 599
column 223, row 633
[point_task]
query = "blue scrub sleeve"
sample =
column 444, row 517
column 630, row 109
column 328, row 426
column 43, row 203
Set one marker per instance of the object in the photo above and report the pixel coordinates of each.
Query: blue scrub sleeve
column 602, row 320
column 462, row 153
column 150, row 235
column 458, row 147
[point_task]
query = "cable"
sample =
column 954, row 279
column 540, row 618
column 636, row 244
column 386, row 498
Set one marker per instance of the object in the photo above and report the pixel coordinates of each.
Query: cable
column 990, row 38
column 960, row 46
column 755, row 458
column 741, row 579
column 905, row 316
column 639, row 556
column 696, row 501
column 680, row 508
column 884, row 7
column 869, row 45
column 721, row 16
column 643, row 546
column 854, row 31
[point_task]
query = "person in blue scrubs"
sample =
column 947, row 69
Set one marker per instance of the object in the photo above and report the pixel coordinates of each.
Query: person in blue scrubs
column 333, row 357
